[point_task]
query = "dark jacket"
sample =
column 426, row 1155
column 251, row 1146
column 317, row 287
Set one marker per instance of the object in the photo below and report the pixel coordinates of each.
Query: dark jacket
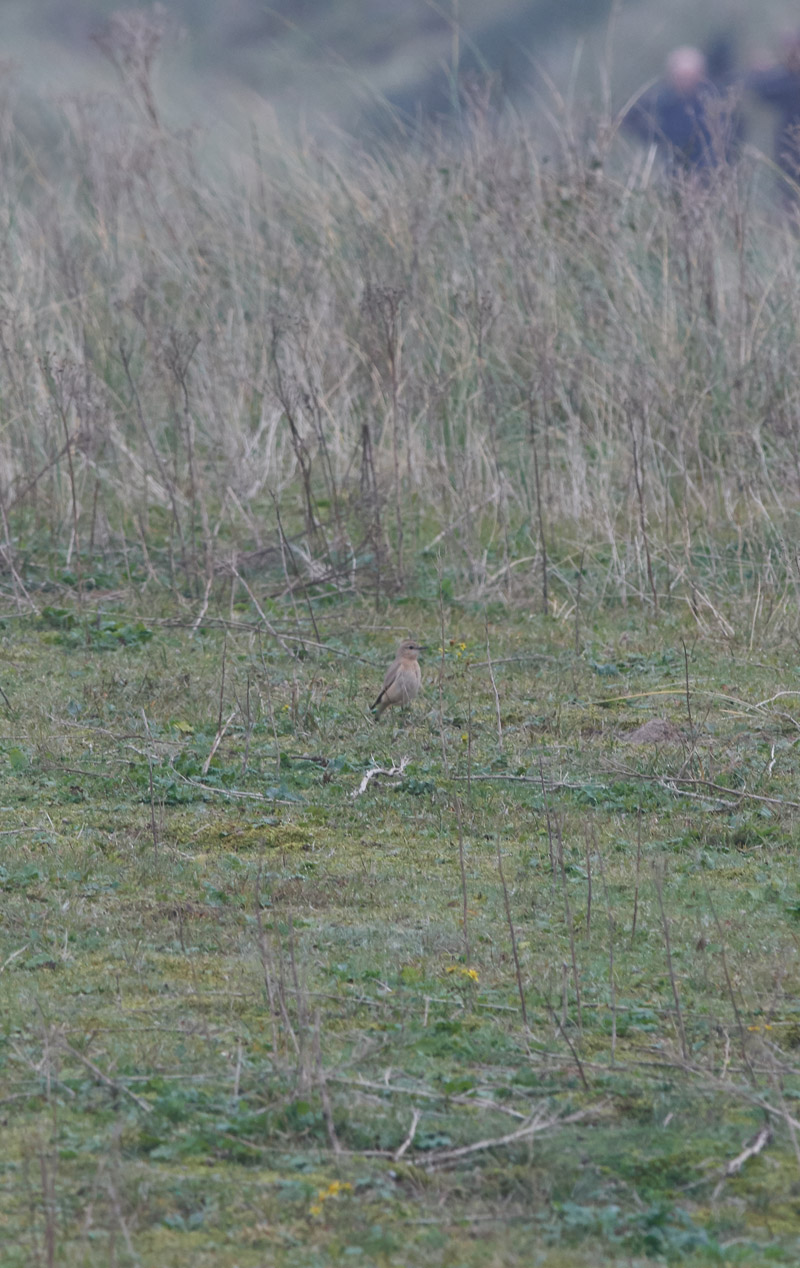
column 780, row 88
column 698, row 130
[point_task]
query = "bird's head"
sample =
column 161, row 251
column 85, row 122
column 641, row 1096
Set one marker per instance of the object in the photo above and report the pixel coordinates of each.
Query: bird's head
column 410, row 649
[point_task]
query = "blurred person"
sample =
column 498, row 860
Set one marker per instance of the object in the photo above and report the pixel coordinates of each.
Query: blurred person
column 779, row 87
column 691, row 118
column 723, row 73
column 721, row 60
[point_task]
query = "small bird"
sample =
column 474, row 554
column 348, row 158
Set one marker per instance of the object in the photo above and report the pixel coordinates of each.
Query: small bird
column 403, row 679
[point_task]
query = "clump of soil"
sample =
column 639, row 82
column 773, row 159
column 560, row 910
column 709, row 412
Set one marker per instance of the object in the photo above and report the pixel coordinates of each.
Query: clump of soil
column 656, row 731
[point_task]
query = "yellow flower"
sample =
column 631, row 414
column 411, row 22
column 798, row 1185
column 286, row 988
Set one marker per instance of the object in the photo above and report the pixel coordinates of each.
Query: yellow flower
column 472, row 974
column 333, row 1190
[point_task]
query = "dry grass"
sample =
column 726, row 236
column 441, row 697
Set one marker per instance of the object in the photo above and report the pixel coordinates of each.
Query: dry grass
column 336, row 366
column 456, row 368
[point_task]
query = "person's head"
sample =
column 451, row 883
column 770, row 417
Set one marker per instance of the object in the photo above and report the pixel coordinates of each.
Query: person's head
column 686, row 70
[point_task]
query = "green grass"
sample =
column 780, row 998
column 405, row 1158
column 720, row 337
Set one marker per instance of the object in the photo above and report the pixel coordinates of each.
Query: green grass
column 217, row 1008
column 539, row 411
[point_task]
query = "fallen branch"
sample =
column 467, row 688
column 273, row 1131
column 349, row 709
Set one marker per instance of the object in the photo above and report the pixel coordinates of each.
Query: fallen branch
column 479, row 1102
column 753, row 1147
column 532, row 1128
column 271, row 628
column 390, row 772
column 232, row 793
column 104, row 1078
column 218, row 738
column 14, row 954
column 508, row 660
column 675, row 784
column 751, row 1150
column 761, row 704
column 522, row 779
column 204, row 606
column 412, row 1131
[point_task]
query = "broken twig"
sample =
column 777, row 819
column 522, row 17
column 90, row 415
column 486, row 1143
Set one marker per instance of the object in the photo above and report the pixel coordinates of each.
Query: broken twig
column 390, row 772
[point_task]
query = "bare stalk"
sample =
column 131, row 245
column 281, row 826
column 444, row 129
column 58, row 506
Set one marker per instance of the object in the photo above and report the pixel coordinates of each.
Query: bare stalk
column 588, row 887
column 571, row 931
column 539, row 511
column 638, row 871
column 547, row 820
column 222, row 682
column 153, row 827
column 514, row 951
column 639, row 481
column 494, row 686
column 578, row 604
column 611, row 932
column 465, row 927
column 688, row 705
column 658, row 881
column 275, row 995
column 731, row 992
column 469, row 742
column 441, row 678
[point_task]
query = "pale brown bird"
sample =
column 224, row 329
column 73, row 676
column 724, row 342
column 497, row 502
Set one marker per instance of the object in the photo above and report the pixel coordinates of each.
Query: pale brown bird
column 403, row 678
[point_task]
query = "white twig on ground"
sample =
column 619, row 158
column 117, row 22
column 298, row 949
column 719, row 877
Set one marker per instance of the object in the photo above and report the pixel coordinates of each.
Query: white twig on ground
column 13, row 957
column 412, row 1131
column 389, row 771
column 217, row 741
column 496, row 693
column 204, row 606
column 753, row 1147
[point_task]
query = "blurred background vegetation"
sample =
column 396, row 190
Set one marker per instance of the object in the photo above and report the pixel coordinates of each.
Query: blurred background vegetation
column 301, row 61
column 534, row 354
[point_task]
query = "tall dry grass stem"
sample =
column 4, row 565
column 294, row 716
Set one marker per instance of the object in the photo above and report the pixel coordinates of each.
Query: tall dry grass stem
column 513, row 936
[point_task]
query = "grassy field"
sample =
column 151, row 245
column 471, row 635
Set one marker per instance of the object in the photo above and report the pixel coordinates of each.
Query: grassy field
column 253, row 1010
column 509, row 980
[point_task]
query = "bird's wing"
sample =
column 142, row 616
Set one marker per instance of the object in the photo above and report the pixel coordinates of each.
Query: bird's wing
column 391, row 674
